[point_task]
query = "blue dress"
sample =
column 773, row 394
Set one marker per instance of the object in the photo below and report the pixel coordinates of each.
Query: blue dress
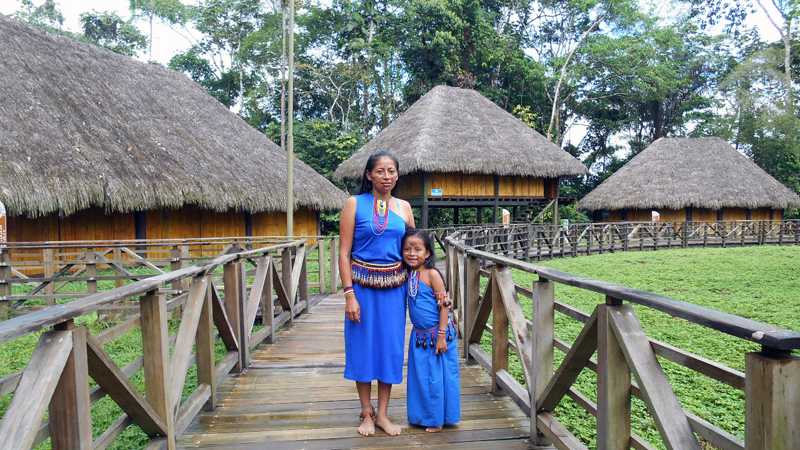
column 374, row 347
column 433, row 386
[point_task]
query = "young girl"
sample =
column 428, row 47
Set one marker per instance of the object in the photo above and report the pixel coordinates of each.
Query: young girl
column 433, row 397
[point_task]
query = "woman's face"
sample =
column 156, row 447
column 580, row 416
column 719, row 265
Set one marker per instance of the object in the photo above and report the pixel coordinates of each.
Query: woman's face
column 383, row 176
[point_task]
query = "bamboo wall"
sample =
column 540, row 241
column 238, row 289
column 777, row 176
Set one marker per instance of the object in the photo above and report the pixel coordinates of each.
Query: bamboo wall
column 186, row 222
column 698, row 215
column 470, row 185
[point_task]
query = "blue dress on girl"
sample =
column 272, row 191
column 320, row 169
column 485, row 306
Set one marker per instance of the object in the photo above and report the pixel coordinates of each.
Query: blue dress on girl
column 433, row 386
column 374, row 347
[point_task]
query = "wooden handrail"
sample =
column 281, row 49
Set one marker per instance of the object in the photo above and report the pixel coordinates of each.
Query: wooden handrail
column 613, row 331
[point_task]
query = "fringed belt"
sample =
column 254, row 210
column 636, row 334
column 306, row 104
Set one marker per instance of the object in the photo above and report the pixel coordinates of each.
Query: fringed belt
column 427, row 338
column 378, row 276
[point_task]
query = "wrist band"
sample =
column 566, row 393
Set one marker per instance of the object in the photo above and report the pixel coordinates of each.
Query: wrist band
column 348, row 289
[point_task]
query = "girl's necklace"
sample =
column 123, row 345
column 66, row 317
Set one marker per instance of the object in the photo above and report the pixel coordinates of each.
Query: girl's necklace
column 413, row 285
column 380, row 216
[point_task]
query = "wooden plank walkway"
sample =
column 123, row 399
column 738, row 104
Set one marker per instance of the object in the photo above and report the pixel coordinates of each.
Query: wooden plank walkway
column 295, row 397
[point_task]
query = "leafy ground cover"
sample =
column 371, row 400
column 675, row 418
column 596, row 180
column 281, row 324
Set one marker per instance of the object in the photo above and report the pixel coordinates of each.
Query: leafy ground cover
column 760, row 283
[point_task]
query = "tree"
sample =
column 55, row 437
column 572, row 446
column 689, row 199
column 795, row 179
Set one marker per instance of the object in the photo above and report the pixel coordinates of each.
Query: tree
column 108, row 30
column 46, row 16
column 171, row 12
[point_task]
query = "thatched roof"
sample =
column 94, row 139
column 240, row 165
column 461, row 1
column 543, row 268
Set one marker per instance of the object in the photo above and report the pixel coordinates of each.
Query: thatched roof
column 81, row 126
column 699, row 172
column 461, row 131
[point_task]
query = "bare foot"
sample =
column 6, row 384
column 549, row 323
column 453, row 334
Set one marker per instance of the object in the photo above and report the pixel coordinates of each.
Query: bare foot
column 367, row 427
column 387, row 426
column 434, row 429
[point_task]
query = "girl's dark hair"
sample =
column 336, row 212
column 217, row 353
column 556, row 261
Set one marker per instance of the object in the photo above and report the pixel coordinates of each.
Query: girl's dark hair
column 365, row 185
column 430, row 261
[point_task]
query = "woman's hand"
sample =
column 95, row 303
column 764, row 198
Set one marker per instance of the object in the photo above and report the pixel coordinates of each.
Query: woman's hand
column 352, row 310
column 441, row 343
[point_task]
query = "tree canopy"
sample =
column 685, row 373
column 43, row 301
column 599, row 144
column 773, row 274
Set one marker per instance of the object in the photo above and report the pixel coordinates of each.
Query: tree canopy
column 601, row 78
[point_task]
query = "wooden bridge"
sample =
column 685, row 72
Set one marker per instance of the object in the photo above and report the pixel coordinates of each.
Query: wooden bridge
column 289, row 392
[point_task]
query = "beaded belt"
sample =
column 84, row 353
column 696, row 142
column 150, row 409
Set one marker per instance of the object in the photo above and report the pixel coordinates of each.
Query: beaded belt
column 378, row 276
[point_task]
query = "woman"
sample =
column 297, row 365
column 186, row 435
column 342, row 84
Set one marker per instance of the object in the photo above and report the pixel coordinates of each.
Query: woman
column 370, row 263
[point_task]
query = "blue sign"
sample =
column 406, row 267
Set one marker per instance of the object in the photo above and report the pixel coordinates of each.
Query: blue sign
column 606, row 213
column 436, row 192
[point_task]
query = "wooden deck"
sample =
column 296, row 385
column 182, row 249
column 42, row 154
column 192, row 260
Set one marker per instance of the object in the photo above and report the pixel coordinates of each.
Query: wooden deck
column 294, row 397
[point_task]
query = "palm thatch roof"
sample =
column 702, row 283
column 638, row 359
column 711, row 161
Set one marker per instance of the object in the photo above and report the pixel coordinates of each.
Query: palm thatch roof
column 460, row 131
column 81, row 126
column 676, row 173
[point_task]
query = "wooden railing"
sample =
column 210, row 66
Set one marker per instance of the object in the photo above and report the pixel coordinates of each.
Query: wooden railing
column 58, row 271
column 536, row 241
column 220, row 292
column 771, row 381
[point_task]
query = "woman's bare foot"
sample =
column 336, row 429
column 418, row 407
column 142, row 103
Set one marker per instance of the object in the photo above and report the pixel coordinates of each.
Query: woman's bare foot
column 387, row 426
column 434, row 429
column 367, row 427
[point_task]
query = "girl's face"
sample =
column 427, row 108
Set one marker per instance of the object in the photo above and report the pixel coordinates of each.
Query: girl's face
column 414, row 252
column 383, row 176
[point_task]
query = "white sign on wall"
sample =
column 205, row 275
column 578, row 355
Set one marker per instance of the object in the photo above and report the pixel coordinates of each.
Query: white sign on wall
column 436, row 192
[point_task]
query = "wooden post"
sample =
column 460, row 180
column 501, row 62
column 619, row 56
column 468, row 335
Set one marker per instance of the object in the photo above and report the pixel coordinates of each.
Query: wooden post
column 70, row 407
column 185, row 264
column 204, row 347
column 155, row 349
column 91, row 270
column 425, row 193
column 321, row 262
column 268, row 304
column 543, row 315
column 334, row 255
column 286, row 277
column 496, row 205
column 5, row 286
column 772, row 393
column 118, row 257
column 471, row 297
column 175, row 265
column 613, row 385
column 625, row 238
column 303, row 287
column 231, row 277
column 49, row 271
column 499, row 335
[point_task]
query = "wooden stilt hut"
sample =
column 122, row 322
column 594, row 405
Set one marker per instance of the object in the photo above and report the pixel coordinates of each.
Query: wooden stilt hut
column 98, row 146
column 457, row 149
column 689, row 179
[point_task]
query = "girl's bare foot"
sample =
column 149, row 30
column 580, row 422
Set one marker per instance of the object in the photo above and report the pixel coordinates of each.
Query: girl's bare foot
column 434, row 429
column 367, row 427
column 387, row 426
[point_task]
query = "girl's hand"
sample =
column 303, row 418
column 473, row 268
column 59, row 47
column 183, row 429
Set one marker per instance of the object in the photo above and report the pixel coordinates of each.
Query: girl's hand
column 352, row 310
column 441, row 343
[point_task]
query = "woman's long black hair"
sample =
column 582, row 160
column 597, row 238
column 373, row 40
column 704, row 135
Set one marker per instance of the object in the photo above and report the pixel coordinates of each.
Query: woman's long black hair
column 430, row 261
column 365, row 185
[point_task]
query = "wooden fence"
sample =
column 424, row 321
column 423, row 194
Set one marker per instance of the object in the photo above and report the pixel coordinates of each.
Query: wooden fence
column 57, row 375
column 771, row 381
column 60, row 271
column 537, row 241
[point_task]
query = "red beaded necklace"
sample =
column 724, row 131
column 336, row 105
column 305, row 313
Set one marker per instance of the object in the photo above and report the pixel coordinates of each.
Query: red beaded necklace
column 380, row 216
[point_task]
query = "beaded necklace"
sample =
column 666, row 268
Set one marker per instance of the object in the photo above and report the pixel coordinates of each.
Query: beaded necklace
column 413, row 285
column 380, row 216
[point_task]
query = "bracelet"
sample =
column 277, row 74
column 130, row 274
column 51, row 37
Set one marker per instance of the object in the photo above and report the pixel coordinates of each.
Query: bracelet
column 348, row 290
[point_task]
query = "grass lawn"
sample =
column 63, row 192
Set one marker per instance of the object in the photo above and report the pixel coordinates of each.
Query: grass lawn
column 760, row 283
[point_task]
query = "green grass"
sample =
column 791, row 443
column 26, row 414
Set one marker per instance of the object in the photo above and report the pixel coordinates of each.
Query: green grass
column 759, row 283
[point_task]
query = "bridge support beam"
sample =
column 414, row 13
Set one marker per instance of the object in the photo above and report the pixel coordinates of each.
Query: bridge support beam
column 613, row 385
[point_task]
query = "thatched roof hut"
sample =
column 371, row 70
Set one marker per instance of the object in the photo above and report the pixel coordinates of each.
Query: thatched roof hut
column 457, row 132
column 82, row 127
column 680, row 173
